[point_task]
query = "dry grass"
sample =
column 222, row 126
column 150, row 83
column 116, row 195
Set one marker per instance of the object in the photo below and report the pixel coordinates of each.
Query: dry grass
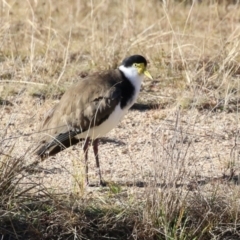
column 193, row 51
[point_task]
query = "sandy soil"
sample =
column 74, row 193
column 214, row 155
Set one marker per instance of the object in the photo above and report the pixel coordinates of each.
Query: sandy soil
column 161, row 145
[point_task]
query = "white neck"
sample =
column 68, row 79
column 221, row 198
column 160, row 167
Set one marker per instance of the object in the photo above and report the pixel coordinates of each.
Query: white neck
column 133, row 76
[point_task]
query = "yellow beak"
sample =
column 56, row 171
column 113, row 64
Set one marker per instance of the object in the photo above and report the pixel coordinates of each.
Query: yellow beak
column 147, row 74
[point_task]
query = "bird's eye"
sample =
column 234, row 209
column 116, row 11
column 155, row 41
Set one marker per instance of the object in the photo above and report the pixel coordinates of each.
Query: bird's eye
column 135, row 65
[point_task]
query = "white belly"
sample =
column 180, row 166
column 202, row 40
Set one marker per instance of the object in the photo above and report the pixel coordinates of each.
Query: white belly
column 106, row 126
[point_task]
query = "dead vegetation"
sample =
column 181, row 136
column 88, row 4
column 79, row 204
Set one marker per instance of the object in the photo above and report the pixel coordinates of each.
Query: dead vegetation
column 186, row 185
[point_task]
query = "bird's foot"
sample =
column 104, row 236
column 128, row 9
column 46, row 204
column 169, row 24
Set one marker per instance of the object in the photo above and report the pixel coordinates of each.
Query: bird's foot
column 102, row 183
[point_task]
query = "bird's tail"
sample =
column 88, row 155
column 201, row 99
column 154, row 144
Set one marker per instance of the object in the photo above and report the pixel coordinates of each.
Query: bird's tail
column 54, row 147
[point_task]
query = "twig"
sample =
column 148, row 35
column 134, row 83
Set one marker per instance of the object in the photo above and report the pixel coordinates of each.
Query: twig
column 24, row 82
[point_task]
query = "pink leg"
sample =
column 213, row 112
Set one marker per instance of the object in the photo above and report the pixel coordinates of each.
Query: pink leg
column 85, row 149
column 95, row 150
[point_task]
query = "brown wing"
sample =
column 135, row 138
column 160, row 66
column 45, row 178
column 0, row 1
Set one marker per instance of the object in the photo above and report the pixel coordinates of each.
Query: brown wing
column 84, row 105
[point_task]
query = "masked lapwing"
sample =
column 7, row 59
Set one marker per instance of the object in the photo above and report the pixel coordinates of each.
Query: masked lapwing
column 91, row 108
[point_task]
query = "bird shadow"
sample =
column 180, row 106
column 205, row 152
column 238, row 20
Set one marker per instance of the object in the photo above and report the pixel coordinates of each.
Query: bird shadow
column 191, row 186
column 5, row 102
column 106, row 140
column 37, row 170
column 143, row 106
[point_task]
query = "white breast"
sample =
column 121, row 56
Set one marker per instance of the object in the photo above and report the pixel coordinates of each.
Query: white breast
column 106, row 126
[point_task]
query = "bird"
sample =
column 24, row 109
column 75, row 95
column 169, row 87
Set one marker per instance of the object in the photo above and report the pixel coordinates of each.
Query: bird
column 92, row 107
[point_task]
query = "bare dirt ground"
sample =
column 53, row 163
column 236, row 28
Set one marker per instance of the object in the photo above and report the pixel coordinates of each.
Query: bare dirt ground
column 162, row 145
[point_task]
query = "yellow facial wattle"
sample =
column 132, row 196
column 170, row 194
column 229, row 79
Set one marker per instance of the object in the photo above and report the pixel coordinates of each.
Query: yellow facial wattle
column 142, row 70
